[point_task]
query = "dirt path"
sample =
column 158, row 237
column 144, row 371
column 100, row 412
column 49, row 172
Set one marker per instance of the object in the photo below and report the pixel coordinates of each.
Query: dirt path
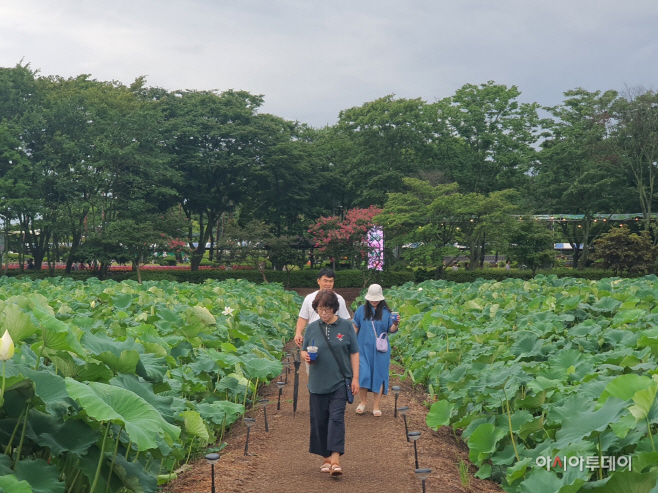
column 377, row 456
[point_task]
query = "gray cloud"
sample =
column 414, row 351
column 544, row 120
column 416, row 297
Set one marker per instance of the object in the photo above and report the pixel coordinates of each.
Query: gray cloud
column 312, row 59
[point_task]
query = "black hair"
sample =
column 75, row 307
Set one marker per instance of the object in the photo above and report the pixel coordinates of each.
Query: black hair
column 368, row 315
column 326, row 297
column 326, row 272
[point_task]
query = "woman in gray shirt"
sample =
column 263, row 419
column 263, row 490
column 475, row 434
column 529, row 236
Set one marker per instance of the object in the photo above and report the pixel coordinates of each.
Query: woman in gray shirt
column 326, row 383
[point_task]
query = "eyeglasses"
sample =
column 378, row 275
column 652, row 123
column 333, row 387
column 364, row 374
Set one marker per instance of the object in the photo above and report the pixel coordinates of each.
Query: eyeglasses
column 324, row 309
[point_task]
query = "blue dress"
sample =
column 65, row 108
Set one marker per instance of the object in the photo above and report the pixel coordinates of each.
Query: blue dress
column 373, row 365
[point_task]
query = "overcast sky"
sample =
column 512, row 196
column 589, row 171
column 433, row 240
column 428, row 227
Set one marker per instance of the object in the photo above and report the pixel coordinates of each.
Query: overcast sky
column 312, row 58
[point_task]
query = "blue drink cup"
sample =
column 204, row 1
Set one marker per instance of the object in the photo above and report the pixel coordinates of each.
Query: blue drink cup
column 312, row 353
column 395, row 317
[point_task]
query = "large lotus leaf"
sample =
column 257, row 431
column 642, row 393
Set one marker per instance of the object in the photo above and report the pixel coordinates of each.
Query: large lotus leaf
column 55, row 334
column 482, row 443
column 263, row 368
column 644, row 400
column 194, row 425
column 628, row 482
column 17, row 322
column 101, row 343
column 231, row 383
column 543, row 481
column 182, row 350
column 108, row 403
column 169, row 315
column 162, row 404
column 122, row 301
column 518, row 470
column 60, row 436
column 583, row 423
column 202, row 314
column 43, row 477
column 51, row 389
column 625, row 386
column 628, row 316
column 5, row 465
column 519, row 418
column 204, row 363
column 218, row 411
column 134, row 477
column 526, row 345
column 439, row 414
column 151, row 367
column 606, row 304
column 10, row 484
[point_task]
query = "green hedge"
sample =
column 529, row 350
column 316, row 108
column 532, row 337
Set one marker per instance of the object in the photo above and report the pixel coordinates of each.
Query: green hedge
column 501, row 274
column 344, row 278
column 298, row 279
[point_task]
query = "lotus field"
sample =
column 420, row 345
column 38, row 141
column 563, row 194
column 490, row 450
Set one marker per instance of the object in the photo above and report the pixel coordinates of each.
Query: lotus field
column 112, row 386
column 553, row 381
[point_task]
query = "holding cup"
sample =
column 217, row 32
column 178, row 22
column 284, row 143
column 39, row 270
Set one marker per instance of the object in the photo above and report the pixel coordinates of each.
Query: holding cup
column 395, row 317
column 312, row 353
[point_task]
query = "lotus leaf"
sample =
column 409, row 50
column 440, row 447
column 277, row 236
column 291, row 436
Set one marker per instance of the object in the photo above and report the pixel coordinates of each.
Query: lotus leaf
column 107, row 403
column 42, row 477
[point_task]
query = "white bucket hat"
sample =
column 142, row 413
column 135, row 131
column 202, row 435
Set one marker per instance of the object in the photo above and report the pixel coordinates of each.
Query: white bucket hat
column 375, row 293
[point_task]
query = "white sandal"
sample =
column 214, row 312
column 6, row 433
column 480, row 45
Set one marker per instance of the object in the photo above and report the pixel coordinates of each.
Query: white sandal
column 360, row 408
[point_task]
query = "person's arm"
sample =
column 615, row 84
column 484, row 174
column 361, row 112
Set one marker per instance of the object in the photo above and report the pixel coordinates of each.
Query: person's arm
column 354, row 359
column 343, row 312
column 395, row 325
column 301, row 324
column 356, row 329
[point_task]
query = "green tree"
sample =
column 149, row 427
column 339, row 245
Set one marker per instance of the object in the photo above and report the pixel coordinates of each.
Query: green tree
column 385, row 141
column 636, row 132
column 211, row 140
column 576, row 172
column 495, row 137
column 621, row 250
column 531, row 244
column 422, row 223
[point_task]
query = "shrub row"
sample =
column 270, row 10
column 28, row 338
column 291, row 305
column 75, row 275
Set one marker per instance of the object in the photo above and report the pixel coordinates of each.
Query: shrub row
column 344, row 278
column 499, row 275
column 297, row 279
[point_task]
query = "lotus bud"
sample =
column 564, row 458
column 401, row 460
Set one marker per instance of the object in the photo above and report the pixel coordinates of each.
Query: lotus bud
column 6, row 347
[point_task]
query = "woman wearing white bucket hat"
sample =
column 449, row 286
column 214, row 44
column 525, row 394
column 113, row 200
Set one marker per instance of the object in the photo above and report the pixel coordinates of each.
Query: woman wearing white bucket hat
column 371, row 320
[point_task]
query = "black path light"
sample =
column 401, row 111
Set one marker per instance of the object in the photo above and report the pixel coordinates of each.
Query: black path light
column 396, row 391
column 403, row 411
column 280, row 385
column 249, row 422
column 212, row 459
column 286, row 365
column 414, row 435
column 264, row 402
column 423, row 474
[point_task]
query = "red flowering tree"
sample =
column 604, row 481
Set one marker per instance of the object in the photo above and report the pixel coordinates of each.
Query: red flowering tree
column 347, row 238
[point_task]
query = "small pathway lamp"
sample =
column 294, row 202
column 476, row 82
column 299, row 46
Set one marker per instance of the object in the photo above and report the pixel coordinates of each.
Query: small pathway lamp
column 403, row 411
column 414, row 435
column 423, row 474
column 212, row 459
column 396, row 391
column 286, row 365
column 264, row 402
column 280, row 385
column 249, row 422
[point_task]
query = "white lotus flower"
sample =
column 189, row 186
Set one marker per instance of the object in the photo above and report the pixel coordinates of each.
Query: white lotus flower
column 93, row 304
column 228, row 311
column 6, row 347
column 420, row 289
